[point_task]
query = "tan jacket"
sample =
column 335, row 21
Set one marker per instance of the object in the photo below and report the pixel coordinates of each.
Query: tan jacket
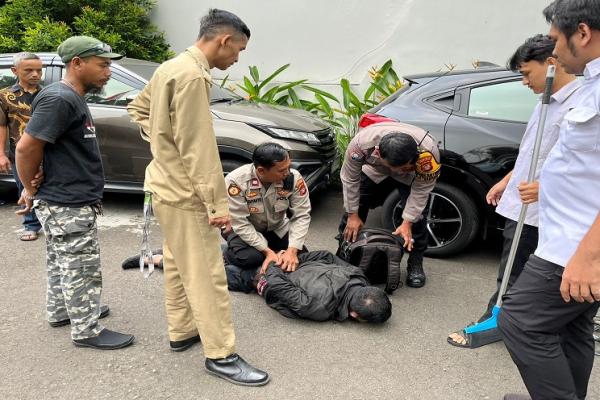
column 174, row 115
column 256, row 210
column 363, row 155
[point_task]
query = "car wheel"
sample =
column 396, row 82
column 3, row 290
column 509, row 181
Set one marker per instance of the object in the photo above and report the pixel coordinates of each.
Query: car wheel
column 452, row 219
column 230, row 165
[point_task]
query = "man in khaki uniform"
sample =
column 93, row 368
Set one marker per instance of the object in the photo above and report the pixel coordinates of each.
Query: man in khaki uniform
column 383, row 157
column 186, row 180
column 260, row 196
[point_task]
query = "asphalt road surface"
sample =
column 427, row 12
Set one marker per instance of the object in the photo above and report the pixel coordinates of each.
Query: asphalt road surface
column 406, row 358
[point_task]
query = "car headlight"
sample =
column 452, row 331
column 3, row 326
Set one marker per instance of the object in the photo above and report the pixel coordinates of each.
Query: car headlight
column 308, row 137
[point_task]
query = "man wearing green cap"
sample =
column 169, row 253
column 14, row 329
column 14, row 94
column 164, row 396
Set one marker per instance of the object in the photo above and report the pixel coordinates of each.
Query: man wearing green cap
column 61, row 135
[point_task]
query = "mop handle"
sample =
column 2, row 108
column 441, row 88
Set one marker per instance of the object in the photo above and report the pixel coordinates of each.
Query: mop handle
column 530, row 178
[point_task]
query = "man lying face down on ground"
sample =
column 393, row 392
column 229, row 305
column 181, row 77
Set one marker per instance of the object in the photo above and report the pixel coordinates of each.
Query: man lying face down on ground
column 322, row 288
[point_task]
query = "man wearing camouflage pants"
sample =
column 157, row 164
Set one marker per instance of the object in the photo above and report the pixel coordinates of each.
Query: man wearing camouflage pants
column 61, row 133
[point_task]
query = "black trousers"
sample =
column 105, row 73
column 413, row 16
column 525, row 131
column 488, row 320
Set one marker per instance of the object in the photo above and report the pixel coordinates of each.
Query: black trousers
column 373, row 195
column 245, row 256
column 243, row 261
column 527, row 245
column 549, row 340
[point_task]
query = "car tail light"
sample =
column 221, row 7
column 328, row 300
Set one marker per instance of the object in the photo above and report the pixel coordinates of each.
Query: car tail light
column 370, row 119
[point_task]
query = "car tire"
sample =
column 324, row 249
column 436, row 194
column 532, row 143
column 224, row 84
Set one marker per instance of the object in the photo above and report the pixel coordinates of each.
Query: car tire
column 230, row 165
column 453, row 219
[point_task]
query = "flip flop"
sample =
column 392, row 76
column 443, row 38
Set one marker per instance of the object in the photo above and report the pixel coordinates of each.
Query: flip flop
column 475, row 340
column 28, row 236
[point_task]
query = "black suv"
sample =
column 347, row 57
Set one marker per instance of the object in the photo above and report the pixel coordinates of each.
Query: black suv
column 479, row 117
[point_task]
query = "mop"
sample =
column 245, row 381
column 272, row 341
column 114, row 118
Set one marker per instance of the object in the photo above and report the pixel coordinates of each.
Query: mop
column 488, row 327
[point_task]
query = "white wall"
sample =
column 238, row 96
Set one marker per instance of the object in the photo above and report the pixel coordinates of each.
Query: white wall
column 329, row 39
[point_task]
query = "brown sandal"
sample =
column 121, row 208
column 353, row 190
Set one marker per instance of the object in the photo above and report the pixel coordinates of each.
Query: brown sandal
column 28, row 236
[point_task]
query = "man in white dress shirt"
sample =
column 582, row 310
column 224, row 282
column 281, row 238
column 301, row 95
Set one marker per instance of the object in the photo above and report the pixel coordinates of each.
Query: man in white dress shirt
column 531, row 59
column 547, row 316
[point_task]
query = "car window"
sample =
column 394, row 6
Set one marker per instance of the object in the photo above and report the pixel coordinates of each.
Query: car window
column 7, row 78
column 114, row 93
column 509, row 101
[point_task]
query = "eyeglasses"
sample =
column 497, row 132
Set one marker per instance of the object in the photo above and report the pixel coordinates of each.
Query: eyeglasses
column 99, row 48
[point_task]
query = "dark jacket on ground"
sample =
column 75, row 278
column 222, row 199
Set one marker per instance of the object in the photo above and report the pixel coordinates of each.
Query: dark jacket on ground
column 320, row 289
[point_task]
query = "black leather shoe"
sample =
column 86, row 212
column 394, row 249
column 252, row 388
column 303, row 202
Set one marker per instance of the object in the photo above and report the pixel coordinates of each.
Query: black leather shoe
column 183, row 345
column 234, row 369
column 134, row 261
column 106, row 340
column 104, row 311
column 416, row 276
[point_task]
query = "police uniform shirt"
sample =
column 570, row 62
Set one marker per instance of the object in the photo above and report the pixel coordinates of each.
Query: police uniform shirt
column 560, row 103
column 363, row 155
column 255, row 209
column 570, row 179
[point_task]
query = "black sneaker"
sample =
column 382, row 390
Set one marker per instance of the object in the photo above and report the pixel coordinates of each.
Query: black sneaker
column 104, row 311
column 234, row 369
column 183, row 345
column 106, row 340
column 416, row 276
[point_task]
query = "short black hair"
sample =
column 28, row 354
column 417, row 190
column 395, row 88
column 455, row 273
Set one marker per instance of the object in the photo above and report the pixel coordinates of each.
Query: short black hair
column 536, row 48
column 398, row 148
column 216, row 21
column 267, row 154
column 371, row 304
column 566, row 15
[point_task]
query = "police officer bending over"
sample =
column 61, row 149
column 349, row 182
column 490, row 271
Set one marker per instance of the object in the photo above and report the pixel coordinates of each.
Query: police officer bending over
column 389, row 156
column 261, row 195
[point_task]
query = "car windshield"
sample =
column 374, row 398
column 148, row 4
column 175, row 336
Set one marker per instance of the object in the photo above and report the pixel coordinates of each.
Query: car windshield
column 145, row 69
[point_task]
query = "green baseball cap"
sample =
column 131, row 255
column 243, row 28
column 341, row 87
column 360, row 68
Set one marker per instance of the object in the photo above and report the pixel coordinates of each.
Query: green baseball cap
column 85, row 46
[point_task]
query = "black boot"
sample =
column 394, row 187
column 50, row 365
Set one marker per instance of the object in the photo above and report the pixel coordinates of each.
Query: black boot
column 234, row 369
column 416, row 276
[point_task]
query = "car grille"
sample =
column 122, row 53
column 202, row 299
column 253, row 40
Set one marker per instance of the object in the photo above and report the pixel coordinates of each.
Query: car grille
column 327, row 148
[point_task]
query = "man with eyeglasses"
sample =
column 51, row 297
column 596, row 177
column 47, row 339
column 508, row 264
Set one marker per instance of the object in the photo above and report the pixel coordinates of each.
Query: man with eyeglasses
column 61, row 135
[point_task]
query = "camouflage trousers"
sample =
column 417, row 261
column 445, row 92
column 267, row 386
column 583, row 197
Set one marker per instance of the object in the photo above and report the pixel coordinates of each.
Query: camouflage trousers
column 73, row 266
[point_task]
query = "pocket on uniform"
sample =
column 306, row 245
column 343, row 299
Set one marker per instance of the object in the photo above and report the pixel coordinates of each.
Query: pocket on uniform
column 70, row 221
column 582, row 129
column 281, row 206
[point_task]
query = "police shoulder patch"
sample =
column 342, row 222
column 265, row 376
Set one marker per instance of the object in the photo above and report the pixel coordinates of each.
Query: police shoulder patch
column 301, row 187
column 233, row 189
column 427, row 168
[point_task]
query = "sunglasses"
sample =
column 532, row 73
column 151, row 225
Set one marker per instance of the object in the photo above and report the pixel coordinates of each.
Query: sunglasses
column 99, row 48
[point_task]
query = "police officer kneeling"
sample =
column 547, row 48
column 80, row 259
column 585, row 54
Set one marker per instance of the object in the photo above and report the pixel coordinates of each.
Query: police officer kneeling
column 388, row 156
column 261, row 195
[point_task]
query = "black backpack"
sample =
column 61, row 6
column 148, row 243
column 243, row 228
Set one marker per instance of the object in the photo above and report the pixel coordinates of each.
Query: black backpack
column 378, row 253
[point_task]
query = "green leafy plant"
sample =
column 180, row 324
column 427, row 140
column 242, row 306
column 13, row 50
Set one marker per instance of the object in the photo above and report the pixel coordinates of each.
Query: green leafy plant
column 257, row 90
column 40, row 25
column 343, row 115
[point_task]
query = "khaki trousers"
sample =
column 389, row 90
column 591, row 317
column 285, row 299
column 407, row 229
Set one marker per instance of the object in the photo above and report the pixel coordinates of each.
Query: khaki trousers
column 196, row 295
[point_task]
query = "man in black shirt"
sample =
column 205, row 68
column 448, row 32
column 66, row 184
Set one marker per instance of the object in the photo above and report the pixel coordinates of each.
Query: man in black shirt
column 61, row 133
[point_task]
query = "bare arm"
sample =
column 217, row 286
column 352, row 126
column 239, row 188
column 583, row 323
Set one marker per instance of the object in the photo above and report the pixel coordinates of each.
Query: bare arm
column 29, row 155
column 4, row 161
